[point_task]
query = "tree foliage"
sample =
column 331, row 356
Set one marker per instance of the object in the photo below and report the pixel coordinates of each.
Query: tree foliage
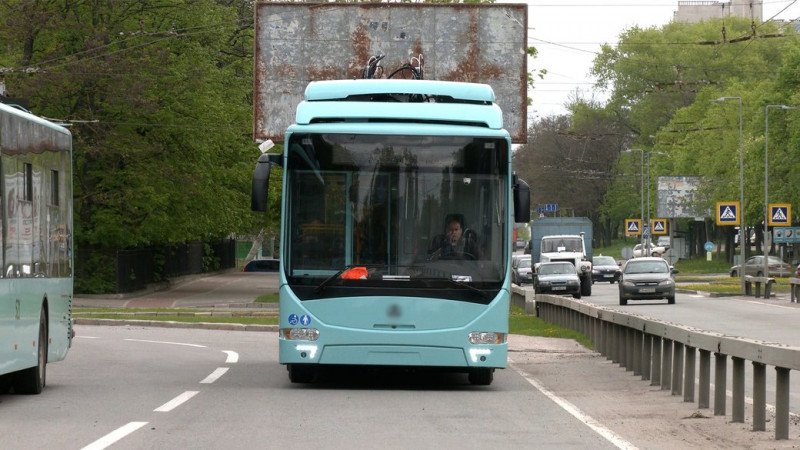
column 159, row 96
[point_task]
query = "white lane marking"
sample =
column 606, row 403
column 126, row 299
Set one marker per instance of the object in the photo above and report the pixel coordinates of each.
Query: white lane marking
column 233, row 357
column 166, row 342
column 598, row 428
column 114, row 436
column 175, row 402
column 769, row 304
column 214, row 375
column 86, row 337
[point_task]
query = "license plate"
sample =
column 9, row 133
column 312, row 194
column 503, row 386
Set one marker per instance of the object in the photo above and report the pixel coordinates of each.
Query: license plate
column 608, row 275
column 647, row 290
column 560, row 288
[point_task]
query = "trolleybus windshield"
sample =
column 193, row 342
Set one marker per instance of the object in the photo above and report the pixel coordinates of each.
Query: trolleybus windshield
column 365, row 214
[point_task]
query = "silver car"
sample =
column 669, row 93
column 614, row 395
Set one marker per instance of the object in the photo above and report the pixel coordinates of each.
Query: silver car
column 647, row 278
column 557, row 278
column 521, row 271
column 755, row 266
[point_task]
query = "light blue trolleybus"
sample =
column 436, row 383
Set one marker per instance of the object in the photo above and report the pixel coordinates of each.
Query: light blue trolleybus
column 397, row 210
column 36, row 253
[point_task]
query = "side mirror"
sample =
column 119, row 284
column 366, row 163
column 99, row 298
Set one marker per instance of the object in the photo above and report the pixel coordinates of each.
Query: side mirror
column 258, row 195
column 521, row 194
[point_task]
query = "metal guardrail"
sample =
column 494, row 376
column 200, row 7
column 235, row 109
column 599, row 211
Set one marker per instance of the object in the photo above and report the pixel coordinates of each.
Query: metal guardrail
column 794, row 287
column 666, row 354
column 750, row 280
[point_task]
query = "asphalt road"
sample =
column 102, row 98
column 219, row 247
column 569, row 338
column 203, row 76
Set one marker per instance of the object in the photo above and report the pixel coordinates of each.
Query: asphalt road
column 133, row 387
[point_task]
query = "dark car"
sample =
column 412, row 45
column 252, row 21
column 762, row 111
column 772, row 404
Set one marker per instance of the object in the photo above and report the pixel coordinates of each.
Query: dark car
column 557, row 278
column 521, row 271
column 755, row 266
column 647, row 278
column 605, row 268
column 262, row 265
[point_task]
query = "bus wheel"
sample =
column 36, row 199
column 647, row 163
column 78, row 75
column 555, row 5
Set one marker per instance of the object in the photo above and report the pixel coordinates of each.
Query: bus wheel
column 31, row 381
column 481, row 377
column 301, row 373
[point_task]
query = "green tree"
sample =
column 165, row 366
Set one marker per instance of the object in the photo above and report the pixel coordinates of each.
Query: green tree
column 159, row 97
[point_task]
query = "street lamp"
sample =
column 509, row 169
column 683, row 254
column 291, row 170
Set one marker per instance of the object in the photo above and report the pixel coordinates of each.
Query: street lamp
column 741, row 190
column 648, row 194
column 641, row 230
column 766, row 179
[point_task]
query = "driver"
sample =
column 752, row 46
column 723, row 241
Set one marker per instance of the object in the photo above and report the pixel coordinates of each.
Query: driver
column 458, row 242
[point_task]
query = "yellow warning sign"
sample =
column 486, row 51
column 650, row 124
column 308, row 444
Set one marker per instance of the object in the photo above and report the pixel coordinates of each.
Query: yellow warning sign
column 633, row 227
column 780, row 215
column 728, row 213
column 659, row 226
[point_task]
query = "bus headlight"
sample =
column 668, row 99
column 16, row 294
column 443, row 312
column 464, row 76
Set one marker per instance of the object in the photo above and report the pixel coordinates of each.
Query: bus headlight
column 486, row 337
column 300, row 334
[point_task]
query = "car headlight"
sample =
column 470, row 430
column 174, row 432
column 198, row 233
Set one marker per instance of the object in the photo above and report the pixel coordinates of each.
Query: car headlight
column 628, row 283
column 666, row 283
column 573, row 283
column 544, row 283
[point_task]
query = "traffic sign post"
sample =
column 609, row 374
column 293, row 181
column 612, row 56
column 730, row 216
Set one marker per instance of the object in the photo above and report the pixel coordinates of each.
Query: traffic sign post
column 709, row 247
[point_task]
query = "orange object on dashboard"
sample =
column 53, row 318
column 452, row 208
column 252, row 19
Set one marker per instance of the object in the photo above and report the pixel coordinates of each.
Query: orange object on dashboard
column 355, row 273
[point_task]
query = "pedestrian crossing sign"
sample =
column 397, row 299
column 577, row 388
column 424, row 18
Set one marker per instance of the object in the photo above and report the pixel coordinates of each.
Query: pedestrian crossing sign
column 633, row 227
column 780, row 215
column 659, row 226
column 728, row 213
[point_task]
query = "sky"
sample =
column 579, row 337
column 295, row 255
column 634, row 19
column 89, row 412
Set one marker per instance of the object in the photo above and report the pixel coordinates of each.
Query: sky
column 568, row 35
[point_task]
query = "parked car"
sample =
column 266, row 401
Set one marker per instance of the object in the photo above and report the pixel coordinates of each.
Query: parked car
column 262, row 265
column 605, row 268
column 655, row 250
column 663, row 241
column 521, row 273
column 647, row 278
column 755, row 266
column 557, row 278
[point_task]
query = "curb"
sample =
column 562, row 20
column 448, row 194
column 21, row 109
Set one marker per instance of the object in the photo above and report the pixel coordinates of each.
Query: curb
column 172, row 324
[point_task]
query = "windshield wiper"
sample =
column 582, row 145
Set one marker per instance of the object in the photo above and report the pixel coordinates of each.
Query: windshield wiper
column 336, row 275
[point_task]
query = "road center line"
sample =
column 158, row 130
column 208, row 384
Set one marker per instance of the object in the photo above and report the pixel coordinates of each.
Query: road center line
column 214, row 375
column 598, row 428
column 114, row 436
column 175, row 402
column 166, row 342
column 233, row 357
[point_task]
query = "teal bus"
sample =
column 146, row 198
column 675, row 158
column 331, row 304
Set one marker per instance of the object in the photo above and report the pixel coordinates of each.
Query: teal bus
column 36, row 254
column 397, row 209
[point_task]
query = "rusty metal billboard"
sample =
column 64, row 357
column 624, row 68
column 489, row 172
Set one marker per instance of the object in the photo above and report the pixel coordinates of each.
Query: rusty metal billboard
column 297, row 43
